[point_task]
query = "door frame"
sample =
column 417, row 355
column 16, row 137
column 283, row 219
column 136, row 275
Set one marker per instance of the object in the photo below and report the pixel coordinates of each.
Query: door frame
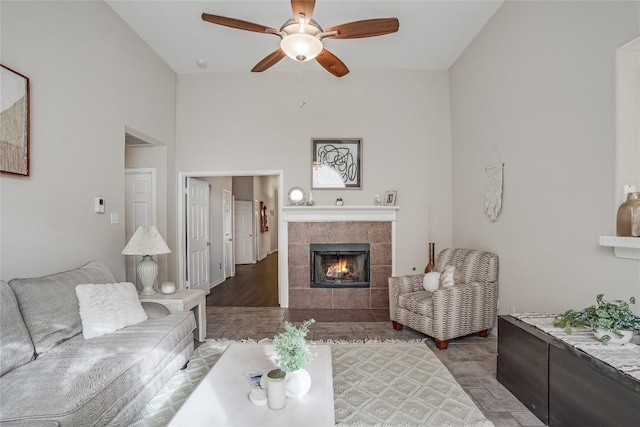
column 283, row 291
column 225, row 251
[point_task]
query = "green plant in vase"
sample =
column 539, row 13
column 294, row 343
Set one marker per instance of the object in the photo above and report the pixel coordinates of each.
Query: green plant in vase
column 612, row 317
column 292, row 348
column 293, row 354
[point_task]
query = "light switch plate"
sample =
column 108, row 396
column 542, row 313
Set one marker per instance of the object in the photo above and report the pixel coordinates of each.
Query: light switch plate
column 115, row 219
column 99, row 205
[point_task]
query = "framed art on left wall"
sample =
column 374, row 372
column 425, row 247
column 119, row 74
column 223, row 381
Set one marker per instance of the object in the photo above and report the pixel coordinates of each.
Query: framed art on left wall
column 14, row 116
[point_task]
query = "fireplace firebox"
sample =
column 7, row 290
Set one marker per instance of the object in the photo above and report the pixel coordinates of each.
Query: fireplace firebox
column 340, row 265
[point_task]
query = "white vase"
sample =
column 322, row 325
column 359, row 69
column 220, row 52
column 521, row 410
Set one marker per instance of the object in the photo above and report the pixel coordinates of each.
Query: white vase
column 298, row 383
column 626, row 336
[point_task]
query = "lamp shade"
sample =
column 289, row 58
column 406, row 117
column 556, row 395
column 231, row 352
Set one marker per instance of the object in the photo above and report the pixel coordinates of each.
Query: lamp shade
column 146, row 241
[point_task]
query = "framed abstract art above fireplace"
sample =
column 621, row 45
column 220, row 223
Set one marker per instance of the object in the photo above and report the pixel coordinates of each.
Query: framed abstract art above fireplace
column 14, row 116
column 337, row 163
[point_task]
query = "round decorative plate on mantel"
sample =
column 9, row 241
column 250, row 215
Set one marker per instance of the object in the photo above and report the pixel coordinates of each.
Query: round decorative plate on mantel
column 297, row 196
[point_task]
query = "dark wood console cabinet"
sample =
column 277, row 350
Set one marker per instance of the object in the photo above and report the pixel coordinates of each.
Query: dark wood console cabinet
column 561, row 385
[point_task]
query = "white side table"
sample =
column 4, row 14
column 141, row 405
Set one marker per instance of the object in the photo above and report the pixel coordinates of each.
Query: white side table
column 183, row 300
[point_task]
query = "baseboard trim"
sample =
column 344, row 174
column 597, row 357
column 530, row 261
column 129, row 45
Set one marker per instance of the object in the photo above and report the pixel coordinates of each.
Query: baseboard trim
column 213, row 285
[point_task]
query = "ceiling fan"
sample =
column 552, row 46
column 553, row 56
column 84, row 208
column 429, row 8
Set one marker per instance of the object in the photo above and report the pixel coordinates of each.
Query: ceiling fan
column 301, row 37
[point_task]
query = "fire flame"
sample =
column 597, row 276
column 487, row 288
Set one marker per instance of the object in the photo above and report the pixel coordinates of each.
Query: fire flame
column 339, row 268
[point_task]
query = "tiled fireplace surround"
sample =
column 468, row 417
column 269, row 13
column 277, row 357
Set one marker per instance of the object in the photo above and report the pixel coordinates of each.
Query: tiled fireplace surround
column 379, row 234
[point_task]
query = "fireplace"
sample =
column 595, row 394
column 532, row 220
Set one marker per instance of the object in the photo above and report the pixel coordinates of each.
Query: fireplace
column 307, row 225
column 339, row 265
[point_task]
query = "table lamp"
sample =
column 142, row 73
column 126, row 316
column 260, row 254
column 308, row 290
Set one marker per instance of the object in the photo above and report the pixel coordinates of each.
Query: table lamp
column 146, row 241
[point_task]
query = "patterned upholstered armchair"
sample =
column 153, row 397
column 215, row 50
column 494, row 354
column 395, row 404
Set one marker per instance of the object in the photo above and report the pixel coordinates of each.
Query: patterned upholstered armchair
column 450, row 312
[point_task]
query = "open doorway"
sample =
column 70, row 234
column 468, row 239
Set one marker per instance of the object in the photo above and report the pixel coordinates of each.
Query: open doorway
column 145, row 183
column 235, row 265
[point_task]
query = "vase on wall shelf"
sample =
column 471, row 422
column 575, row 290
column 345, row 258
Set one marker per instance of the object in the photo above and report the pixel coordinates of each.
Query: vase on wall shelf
column 628, row 220
column 432, row 256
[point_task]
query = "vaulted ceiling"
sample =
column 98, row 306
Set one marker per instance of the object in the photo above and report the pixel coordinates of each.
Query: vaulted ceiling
column 432, row 34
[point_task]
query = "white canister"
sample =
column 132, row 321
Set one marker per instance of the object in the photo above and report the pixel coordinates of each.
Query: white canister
column 168, row 288
column 277, row 389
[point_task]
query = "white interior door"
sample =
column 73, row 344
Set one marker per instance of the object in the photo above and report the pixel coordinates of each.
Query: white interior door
column 198, row 243
column 140, row 202
column 256, row 230
column 227, row 228
column 243, row 232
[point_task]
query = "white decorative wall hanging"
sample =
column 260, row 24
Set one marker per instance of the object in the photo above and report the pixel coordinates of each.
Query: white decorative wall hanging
column 493, row 190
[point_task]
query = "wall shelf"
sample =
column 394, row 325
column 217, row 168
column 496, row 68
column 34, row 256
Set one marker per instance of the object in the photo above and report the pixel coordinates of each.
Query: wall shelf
column 623, row 247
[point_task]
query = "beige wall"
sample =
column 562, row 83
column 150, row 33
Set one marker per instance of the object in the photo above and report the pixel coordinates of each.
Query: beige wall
column 539, row 83
column 91, row 76
column 242, row 187
column 628, row 118
column 247, row 121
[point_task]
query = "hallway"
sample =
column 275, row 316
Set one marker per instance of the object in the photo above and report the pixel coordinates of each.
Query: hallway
column 254, row 285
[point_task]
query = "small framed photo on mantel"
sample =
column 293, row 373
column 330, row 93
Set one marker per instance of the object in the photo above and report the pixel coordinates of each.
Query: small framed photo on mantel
column 390, row 198
column 336, row 163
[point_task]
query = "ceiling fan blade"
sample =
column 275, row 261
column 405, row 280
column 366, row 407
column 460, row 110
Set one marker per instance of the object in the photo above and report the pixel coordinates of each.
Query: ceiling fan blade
column 237, row 23
column 332, row 63
column 366, row 28
column 269, row 61
column 303, row 6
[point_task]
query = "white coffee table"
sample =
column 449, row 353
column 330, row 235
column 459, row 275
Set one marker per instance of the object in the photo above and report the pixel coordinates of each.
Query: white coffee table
column 222, row 398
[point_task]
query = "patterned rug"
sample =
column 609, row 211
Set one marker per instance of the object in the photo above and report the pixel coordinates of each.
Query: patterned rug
column 397, row 383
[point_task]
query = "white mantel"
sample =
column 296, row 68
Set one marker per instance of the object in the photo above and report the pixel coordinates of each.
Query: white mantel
column 339, row 213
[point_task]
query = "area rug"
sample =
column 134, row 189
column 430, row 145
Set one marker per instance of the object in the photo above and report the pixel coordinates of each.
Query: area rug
column 397, row 383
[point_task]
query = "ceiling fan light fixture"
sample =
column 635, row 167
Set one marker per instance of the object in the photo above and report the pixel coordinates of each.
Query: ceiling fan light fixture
column 301, row 37
column 301, row 46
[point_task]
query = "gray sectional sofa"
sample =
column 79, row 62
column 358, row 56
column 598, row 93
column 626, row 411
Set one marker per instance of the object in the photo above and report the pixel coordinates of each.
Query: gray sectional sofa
column 52, row 376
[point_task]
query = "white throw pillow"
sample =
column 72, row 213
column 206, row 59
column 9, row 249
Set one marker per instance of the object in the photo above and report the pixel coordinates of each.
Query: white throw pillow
column 431, row 281
column 105, row 308
column 451, row 276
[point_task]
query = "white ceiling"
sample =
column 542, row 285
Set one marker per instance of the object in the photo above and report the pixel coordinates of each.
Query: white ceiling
column 432, row 34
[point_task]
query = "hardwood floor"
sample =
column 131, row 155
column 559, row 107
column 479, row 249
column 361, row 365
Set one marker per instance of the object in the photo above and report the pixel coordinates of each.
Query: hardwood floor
column 254, row 285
